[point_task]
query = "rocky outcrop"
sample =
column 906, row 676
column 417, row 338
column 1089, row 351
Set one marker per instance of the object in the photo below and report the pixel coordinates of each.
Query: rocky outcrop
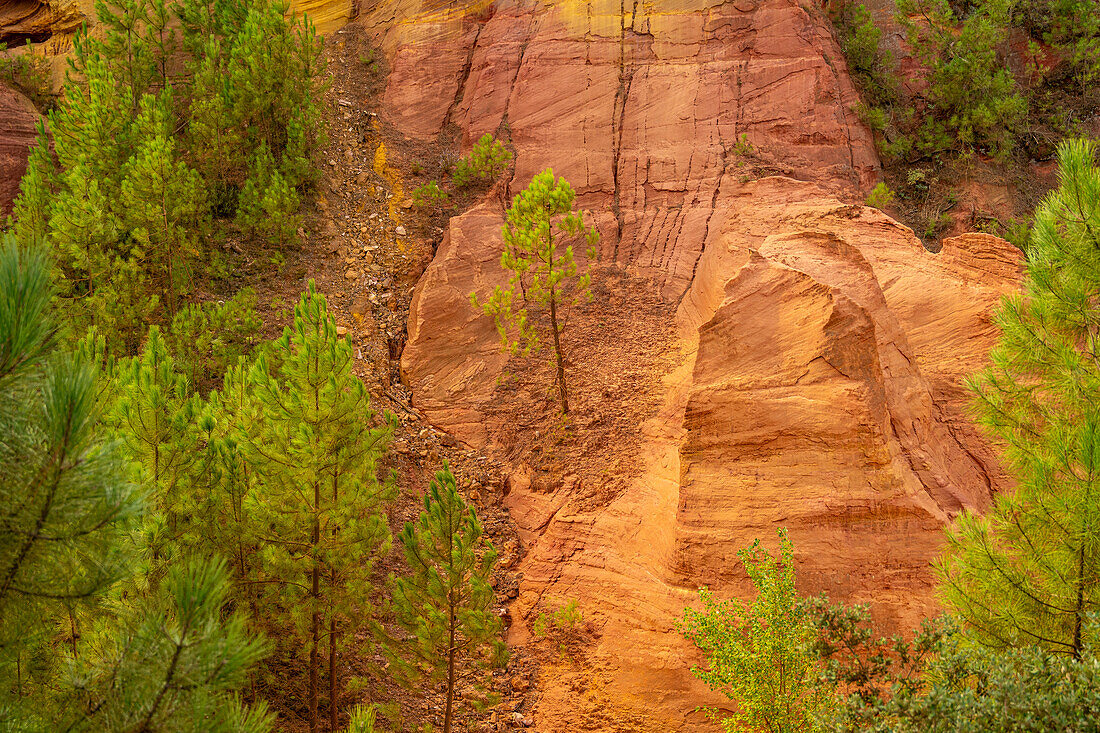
column 38, row 20
column 326, row 15
column 814, row 369
column 18, row 118
column 648, row 114
column 819, row 389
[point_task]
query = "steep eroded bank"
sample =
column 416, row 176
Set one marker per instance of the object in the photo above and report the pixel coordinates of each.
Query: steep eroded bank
column 798, row 356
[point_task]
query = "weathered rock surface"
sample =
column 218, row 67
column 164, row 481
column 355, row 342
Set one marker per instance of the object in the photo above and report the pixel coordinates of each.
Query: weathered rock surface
column 17, row 133
column 326, row 15
column 38, row 20
column 643, row 112
column 820, row 391
column 819, row 349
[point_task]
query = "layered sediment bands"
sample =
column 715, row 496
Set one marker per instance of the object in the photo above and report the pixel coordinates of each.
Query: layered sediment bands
column 326, row 15
column 640, row 106
column 813, row 379
column 17, row 134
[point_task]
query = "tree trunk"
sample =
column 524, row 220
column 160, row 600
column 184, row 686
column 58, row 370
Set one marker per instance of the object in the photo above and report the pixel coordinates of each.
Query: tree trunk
column 1079, row 610
column 557, row 354
column 332, row 708
column 450, row 674
column 315, row 627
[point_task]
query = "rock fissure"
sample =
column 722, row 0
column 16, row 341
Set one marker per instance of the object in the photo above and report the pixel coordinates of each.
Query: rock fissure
column 464, row 75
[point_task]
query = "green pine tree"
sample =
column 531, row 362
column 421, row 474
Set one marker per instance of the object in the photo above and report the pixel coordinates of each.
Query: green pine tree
column 155, row 420
column 30, row 218
column 172, row 664
column 163, row 200
column 318, row 455
column 268, row 205
column 224, row 487
column 1028, row 573
column 66, row 501
column 445, row 600
column 76, row 651
column 541, row 270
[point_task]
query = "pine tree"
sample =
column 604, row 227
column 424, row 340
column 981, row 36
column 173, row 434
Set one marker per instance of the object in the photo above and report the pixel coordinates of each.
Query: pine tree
column 63, row 489
column 173, row 664
column 224, row 487
column 155, row 419
column 268, row 205
column 215, row 140
column 1027, row 573
column 445, row 600
column 318, row 456
column 163, row 199
column 540, row 270
column 30, row 217
column 169, row 662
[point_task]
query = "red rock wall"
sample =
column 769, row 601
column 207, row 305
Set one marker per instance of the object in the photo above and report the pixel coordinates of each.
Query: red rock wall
column 17, row 134
column 819, row 348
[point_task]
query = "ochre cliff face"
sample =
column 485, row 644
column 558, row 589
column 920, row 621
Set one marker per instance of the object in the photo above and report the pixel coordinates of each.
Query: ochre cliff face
column 639, row 106
column 813, row 378
column 38, row 20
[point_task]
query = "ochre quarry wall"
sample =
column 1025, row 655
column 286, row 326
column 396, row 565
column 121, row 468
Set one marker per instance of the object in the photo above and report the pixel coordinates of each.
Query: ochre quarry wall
column 812, row 374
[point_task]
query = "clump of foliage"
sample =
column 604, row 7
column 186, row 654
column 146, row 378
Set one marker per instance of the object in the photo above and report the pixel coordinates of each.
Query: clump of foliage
column 565, row 619
column 430, row 196
column 872, row 66
column 445, row 600
column 762, row 655
column 743, row 147
column 540, row 217
column 208, row 338
column 974, row 99
column 277, row 472
column 175, row 119
column 82, row 646
column 483, row 164
column 28, row 72
column 880, row 197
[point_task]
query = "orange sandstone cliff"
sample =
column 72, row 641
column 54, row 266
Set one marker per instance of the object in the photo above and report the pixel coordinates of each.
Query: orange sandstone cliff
column 769, row 353
column 762, row 351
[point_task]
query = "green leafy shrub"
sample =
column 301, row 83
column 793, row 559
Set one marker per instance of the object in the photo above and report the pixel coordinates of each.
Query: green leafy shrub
column 762, row 654
column 861, row 41
column 430, row 196
column 566, row 619
column 28, row 72
column 487, row 160
column 880, row 197
column 743, row 147
column 972, row 99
